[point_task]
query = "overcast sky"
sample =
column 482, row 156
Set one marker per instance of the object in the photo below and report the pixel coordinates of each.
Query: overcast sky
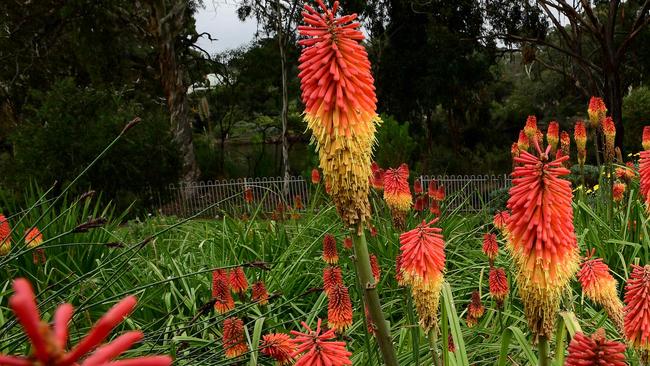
column 219, row 18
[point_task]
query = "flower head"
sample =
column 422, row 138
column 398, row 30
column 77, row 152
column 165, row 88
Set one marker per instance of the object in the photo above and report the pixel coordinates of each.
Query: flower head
column 595, row 351
column 5, row 236
column 626, row 173
column 417, row 187
column 531, row 128
column 475, row 308
column 514, row 150
column 421, row 202
column 609, row 130
column 248, row 195
column 297, row 202
column 500, row 220
column 340, row 105
column 330, row 254
column 259, row 294
column 315, row 348
column 599, row 286
column 618, row 191
column 234, row 339
column 580, row 135
column 396, row 188
column 339, row 308
column 347, row 243
column 499, row 287
column 332, row 277
column 644, row 176
column 432, row 189
column 221, row 291
column 34, row 238
column 565, row 144
column 553, row 135
column 542, row 238
column 48, row 343
column 237, row 280
column 279, row 347
column 470, row 321
column 490, row 246
column 377, row 178
column 434, row 208
column 374, row 266
column 523, row 143
column 645, row 141
column 315, row 176
column 637, row 308
column 596, row 111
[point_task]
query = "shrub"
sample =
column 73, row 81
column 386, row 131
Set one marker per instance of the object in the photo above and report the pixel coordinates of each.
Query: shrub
column 636, row 114
column 396, row 145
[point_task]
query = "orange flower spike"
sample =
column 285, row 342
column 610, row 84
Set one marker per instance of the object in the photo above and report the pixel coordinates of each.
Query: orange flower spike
column 248, row 195
column 553, row 135
column 499, row 287
column 417, row 187
column 500, row 220
column 618, row 191
column 475, row 308
column 644, row 176
column 315, row 176
column 470, row 321
column 5, row 236
column 319, row 348
column 238, row 281
column 609, row 130
column 330, row 254
column 34, row 238
column 490, row 246
column 432, row 189
column 420, row 203
column 221, row 291
column 626, row 173
column 637, row 308
column 599, row 286
column 332, row 277
column 340, row 105
column 514, row 150
column 531, row 128
column 339, row 309
column 580, row 135
column 259, row 293
column 376, row 270
column 595, row 351
column 523, row 143
column 279, row 347
column 399, row 277
column 645, row 142
column 297, row 202
column 596, row 111
column 542, row 238
column 565, row 143
column 234, row 339
column 347, row 243
column 396, row 188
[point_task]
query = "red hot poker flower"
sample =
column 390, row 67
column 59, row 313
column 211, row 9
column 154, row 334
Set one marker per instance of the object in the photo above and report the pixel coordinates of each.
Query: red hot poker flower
column 5, row 236
column 347, row 243
column 248, row 195
column 315, row 176
column 330, row 254
column 645, row 142
column 609, row 130
column 523, row 143
column 417, row 187
column 238, row 281
column 644, row 176
column 475, row 308
column 531, row 128
column 580, row 135
column 499, row 287
column 259, row 294
column 315, row 348
column 34, row 238
column 374, row 265
column 396, row 188
column 234, row 339
column 595, row 351
column 279, row 347
column 553, row 135
column 339, row 309
column 599, row 286
column 500, row 220
column 420, row 203
column 221, row 291
column 618, row 191
column 432, row 189
column 490, row 246
column 596, row 111
column 637, row 308
column 49, row 343
column 297, row 202
column 332, row 277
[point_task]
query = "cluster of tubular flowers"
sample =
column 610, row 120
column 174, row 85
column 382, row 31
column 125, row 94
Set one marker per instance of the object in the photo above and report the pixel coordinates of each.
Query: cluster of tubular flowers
column 580, row 135
column 421, row 265
column 553, row 135
column 330, row 254
column 221, row 291
column 48, row 343
column 5, row 236
column 259, row 294
column 618, row 191
column 475, row 310
column 499, row 287
column 595, row 351
column 565, row 147
column 599, row 286
column 315, row 176
column 644, row 167
column 397, row 194
column 234, row 337
column 437, row 195
column 541, row 237
column 626, row 173
column 421, row 199
column 500, row 221
column 637, row 308
column 490, row 247
column 34, row 238
column 596, row 111
column 340, row 105
column 522, row 142
column 374, row 267
column 248, row 195
column 238, row 281
column 315, row 347
column 339, row 305
column 609, row 130
column 377, row 178
column 279, row 347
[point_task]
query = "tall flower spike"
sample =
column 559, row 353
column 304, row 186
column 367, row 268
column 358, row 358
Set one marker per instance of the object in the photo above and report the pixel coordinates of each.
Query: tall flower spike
column 238, row 281
column 5, row 236
column 500, row 221
column 595, row 351
column 314, row 348
column 609, row 130
column 330, row 254
column 48, row 343
column 340, row 105
column 33, row 239
column 637, row 308
column 596, row 111
column 645, row 140
column 397, row 194
column 248, row 195
column 259, row 294
column 315, row 176
column 618, row 191
column 221, row 291
column 475, row 308
column 565, row 147
column 376, row 270
column 644, row 176
column 599, row 286
column 417, row 187
column 490, row 246
column 332, row 277
column 499, row 287
column 530, row 129
column 553, row 135
column 422, row 268
column 542, row 237
column 523, row 143
column 432, row 189
column 234, row 339
column 279, row 347
column 580, row 135
column 339, row 309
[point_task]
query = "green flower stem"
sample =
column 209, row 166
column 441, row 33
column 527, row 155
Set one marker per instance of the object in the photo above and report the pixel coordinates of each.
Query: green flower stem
column 544, row 350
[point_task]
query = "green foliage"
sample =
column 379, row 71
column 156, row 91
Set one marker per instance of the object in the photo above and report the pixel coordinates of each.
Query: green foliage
column 636, row 115
column 394, row 143
column 67, row 126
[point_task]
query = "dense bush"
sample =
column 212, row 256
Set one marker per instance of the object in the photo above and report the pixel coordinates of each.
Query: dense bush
column 396, row 143
column 65, row 128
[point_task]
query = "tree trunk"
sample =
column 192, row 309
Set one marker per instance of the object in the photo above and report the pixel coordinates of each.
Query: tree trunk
column 165, row 27
column 285, row 104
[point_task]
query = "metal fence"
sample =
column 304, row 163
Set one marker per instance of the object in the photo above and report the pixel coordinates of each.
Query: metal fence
column 468, row 192
column 211, row 198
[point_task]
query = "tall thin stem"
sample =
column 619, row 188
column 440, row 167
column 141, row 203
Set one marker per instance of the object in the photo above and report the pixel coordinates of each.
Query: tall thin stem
column 433, row 346
column 544, row 350
column 371, row 297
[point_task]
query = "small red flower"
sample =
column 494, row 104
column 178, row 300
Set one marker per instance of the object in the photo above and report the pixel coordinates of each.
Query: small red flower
column 451, row 346
column 531, row 128
column 595, row 351
column 618, row 191
column 315, row 176
column 339, row 309
column 646, row 138
column 475, row 308
column 238, row 281
column 580, row 135
column 490, row 246
column 5, row 236
column 523, row 143
column 500, row 220
column 279, row 347
column 421, row 203
column 499, row 288
column 347, row 243
column 48, row 343
column 234, row 339
column 434, row 208
column 374, row 265
column 599, row 286
column 34, row 238
column 332, row 277
column 432, row 189
column 644, row 176
column 297, row 202
column 553, row 135
column 399, row 277
column 637, row 308
column 221, row 291
column 248, row 195
column 315, row 348
column 373, row 231
column 397, row 193
column 330, row 254
column 417, row 187
column 259, row 294
column 596, row 111
column 626, row 173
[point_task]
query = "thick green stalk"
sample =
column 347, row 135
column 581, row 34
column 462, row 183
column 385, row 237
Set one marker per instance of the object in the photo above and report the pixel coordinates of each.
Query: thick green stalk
column 544, row 350
column 433, row 346
column 371, row 297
